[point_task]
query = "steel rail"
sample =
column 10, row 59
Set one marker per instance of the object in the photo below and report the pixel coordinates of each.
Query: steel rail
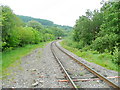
column 59, row 62
column 90, row 69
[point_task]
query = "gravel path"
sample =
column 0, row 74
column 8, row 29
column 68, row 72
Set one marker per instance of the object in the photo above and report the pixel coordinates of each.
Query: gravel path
column 38, row 69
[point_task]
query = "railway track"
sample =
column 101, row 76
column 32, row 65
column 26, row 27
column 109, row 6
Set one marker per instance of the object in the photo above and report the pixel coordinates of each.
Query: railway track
column 70, row 78
column 62, row 67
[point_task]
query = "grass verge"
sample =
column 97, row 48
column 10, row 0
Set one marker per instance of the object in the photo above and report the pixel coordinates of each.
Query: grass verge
column 103, row 59
column 11, row 56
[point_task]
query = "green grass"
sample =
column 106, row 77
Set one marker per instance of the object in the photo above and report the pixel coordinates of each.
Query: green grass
column 11, row 56
column 104, row 59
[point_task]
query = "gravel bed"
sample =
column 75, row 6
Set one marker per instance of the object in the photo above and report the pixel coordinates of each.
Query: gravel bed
column 36, row 70
column 98, row 68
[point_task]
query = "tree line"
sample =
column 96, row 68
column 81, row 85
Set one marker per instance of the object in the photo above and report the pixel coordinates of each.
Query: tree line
column 98, row 30
column 16, row 33
column 44, row 22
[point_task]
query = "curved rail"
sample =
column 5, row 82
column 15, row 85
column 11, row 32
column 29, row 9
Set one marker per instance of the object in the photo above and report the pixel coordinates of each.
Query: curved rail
column 67, row 75
column 90, row 69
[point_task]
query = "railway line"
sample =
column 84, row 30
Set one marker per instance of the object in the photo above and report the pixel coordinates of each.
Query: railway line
column 77, row 73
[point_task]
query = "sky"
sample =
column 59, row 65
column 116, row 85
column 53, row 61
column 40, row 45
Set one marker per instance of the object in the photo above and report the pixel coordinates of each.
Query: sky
column 62, row 12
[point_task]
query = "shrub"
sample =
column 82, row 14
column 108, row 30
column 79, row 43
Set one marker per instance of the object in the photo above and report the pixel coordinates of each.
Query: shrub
column 107, row 42
column 14, row 39
column 26, row 35
column 37, row 36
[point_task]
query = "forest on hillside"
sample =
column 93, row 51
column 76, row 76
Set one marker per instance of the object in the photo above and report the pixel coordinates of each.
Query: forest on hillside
column 17, row 32
column 98, row 31
column 44, row 22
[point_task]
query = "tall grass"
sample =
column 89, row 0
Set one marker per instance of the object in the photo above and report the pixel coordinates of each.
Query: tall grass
column 103, row 59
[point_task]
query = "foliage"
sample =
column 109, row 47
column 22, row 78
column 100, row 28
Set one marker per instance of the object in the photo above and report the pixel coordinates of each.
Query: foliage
column 108, row 38
column 116, row 54
column 28, row 35
column 107, row 42
column 103, row 59
column 57, row 31
column 87, row 27
column 109, row 28
column 98, row 31
column 82, row 31
column 34, row 24
column 16, row 33
column 9, row 24
column 14, row 38
column 44, row 22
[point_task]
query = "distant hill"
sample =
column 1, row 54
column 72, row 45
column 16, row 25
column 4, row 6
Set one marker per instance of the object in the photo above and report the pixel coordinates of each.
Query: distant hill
column 44, row 22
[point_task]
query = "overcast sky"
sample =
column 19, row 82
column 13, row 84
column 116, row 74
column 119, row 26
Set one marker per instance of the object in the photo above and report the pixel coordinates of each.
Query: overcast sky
column 63, row 12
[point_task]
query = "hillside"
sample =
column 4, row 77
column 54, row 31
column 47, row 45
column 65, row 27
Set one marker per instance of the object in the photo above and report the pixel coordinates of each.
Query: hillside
column 43, row 22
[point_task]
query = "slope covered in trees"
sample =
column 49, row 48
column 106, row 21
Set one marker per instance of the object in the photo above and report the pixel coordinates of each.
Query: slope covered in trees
column 43, row 22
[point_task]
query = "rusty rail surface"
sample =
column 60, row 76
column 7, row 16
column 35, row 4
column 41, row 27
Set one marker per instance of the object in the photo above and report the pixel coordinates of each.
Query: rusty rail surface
column 110, row 83
column 64, row 70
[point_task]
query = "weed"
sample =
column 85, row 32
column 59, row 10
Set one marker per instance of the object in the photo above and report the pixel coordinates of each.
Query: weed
column 82, row 73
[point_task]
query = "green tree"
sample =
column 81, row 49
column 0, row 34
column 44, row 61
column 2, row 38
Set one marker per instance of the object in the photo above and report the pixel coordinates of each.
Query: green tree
column 97, row 21
column 87, row 27
column 9, row 23
column 26, row 35
column 82, row 30
column 109, row 34
column 35, row 25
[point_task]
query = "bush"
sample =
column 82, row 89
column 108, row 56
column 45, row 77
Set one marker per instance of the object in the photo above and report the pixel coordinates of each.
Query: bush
column 37, row 36
column 26, row 35
column 48, row 37
column 14, row 39
column 80, row 44
column 107, row 42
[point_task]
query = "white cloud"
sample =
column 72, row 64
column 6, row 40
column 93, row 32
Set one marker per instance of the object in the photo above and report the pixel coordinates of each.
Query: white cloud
column 64, row 12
